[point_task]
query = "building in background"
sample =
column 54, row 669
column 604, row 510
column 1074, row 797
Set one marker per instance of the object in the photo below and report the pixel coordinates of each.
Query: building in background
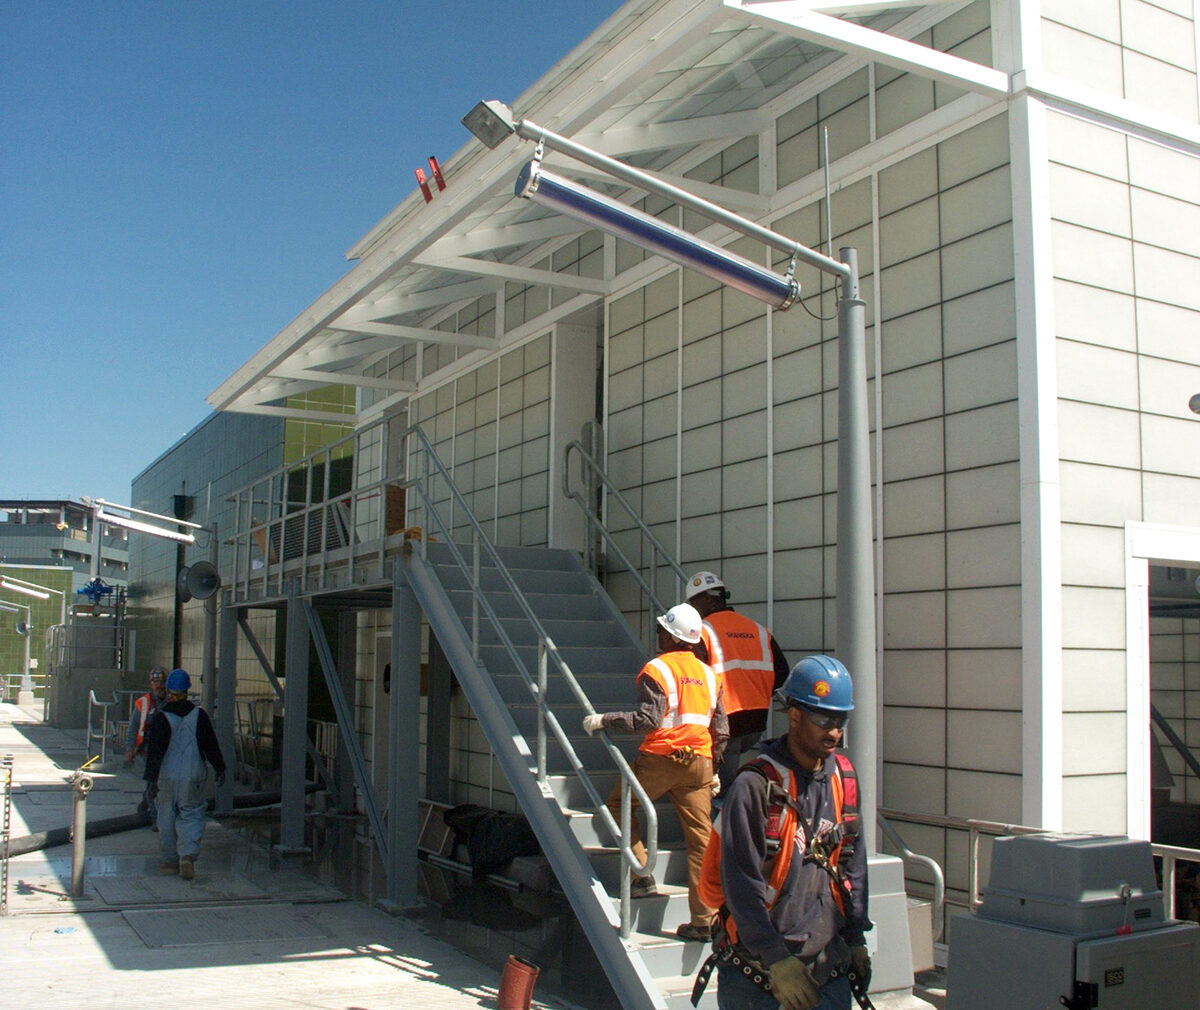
column 59, row 533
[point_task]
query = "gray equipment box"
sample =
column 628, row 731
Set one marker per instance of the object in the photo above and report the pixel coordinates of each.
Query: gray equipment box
column 1079, row 884
column 1075, row 921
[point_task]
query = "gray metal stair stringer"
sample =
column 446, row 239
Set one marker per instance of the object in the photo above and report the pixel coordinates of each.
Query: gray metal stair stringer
column 632, row 981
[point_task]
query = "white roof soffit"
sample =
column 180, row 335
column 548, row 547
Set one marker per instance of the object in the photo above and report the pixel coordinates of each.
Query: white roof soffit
column 665, row 84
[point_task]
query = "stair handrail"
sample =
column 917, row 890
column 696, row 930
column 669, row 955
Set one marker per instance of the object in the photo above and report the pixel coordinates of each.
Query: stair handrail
column 939, row 878
column 549, row 651
column 614, row 493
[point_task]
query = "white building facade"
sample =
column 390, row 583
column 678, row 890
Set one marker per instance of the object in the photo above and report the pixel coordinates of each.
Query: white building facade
column 1021, row 182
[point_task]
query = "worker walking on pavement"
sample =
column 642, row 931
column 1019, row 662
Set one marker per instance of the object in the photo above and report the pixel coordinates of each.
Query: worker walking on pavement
column 180, row 739
column 139, row 718
column 747, row 658
column 683, row 719
column 785, row 865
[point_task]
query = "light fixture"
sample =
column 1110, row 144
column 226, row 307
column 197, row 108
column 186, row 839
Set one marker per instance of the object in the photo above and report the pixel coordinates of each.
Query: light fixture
column 7, row 583
column 491, row 121
column 1194, row 403
column 141, row 527
column 602, row 212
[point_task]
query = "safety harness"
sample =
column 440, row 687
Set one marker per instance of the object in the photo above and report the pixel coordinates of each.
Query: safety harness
column 783, row 816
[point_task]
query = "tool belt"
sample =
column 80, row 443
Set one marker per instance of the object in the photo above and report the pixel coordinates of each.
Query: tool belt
column 727, row 952
column 683, row 755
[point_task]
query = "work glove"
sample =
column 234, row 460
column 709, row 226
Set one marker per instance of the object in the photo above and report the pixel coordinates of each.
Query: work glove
column 220, row 779
column 792, row 985
column 860, row 964
column 592, row 722
column 716, row 784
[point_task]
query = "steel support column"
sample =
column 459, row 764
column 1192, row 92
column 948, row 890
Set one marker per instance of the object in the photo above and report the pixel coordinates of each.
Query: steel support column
column 226, row 699
column 343, row 783
column 295, row 727
column 404, row 789
column 346, row 729
column 437, row 724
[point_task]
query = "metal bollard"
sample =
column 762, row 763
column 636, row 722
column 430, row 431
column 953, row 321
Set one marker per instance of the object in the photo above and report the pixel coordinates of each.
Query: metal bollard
column 81, row 785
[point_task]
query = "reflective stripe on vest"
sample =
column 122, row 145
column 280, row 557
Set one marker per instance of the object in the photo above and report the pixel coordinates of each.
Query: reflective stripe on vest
column 142, row 706
column 739, row 649
column 691, row 690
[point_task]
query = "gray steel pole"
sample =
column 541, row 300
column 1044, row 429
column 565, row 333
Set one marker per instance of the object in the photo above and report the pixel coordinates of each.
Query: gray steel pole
column 208, row 690
column 855, row 555
column 295, row 726
column 403, row 770
column 225, row 716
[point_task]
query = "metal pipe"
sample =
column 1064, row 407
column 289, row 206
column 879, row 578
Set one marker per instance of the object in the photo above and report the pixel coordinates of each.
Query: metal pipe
column 649, row 232
column 81, row 785
column 644, row 180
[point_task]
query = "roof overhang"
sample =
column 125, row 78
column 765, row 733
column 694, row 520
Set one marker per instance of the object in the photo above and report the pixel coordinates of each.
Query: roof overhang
column 665, row 84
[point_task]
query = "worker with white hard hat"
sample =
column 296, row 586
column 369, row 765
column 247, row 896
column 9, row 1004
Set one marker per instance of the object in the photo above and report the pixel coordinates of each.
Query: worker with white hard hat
column 680, row 711
column 746, row 656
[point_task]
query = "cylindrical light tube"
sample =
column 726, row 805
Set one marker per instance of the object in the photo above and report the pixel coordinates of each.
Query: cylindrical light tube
column 675, row 244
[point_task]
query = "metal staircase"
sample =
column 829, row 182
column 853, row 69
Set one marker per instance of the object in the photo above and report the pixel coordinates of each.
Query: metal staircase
column 536, row 644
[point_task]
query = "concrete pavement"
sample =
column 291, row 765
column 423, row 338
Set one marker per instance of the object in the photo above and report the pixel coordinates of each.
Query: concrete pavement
column 247, row 932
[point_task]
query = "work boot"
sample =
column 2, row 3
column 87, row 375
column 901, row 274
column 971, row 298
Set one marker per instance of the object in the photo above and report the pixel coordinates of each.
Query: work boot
column 187, row 868
column 165, row 867
column 688, row 931
column 643, row 887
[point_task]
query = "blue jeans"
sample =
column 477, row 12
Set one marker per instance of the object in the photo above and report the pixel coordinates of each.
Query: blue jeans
column 181, row 816
column 736, row 992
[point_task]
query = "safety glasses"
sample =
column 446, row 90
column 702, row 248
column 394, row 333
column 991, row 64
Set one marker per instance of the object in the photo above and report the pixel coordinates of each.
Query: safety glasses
column 824, row 720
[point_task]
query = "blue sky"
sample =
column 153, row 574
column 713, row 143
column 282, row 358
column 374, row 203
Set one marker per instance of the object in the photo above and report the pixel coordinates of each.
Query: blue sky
column 179, row 180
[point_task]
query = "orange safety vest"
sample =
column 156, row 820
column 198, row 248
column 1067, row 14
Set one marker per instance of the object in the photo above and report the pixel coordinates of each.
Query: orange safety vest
column 739, row 649
column 143, row 710
column 691, row 688
column 780, row 827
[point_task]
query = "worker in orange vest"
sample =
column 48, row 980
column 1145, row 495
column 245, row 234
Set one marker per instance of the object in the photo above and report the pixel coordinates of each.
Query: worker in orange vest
column 143, row 708
column 749, row 660
column 680, row 712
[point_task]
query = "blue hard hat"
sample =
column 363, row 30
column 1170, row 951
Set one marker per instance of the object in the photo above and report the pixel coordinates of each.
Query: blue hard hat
column 819, row 682
column 178, row 680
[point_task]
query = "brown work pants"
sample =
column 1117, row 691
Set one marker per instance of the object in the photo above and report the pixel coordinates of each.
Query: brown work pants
column 690, row 788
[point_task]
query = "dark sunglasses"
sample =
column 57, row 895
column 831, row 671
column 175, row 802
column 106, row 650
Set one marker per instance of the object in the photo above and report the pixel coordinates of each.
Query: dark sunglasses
column 824, row 720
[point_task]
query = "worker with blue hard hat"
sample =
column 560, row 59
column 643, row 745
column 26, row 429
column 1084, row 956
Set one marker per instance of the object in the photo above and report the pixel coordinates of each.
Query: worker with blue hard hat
column 180, row 739
column 784, row 864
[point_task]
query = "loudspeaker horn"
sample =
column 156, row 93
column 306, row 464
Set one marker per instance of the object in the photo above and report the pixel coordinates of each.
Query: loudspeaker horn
column 203, row 579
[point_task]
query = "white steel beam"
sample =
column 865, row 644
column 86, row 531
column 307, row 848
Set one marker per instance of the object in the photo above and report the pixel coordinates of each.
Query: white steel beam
column 481, row 240
column 512, row 272
column 627, row 140
column 797, row 20
column 398, row 301
column 287, row 371
column 418, row 333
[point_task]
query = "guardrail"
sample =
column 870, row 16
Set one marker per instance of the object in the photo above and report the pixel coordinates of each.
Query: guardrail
column 95, row 704
column 593, row 474
column 1171, row 855
column 431, row 466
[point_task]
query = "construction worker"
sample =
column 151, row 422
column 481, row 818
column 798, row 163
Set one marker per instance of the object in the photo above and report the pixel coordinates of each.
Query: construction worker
column 784, row 864
column 135, row 741
column 680, row 711
column 179, row 739
column 743, row 652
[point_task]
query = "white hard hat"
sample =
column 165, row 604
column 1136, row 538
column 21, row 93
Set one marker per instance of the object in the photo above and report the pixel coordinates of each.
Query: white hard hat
column 682, row 621
column 703, row 582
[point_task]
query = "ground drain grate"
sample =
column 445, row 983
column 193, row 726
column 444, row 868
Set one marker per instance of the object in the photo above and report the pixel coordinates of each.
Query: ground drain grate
column 197, row 927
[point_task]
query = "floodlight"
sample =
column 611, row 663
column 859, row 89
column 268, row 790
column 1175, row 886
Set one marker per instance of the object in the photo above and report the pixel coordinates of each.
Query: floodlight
column 491, row 122
column 675, row 244
column 134, row 524
column 6, row 583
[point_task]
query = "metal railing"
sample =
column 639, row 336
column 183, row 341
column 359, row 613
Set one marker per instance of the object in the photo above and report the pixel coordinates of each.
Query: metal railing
column 425, row 463
column 593, row 475
column 938, row 899
column 298, row 520
column 1181, row 748
column 95, row 704
column 1170, row 855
